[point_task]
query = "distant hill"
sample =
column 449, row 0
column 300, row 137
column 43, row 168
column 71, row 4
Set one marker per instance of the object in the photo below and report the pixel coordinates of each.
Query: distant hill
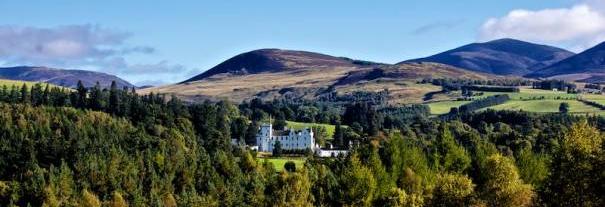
column 270, row 73
column 501, row 57
column 586, row 66
column 276, row 60
column 61, row 77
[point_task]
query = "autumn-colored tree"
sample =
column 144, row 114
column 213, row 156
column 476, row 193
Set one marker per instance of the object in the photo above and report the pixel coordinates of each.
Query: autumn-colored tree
column 576, row 169
column 452, row 190
column 504, row 187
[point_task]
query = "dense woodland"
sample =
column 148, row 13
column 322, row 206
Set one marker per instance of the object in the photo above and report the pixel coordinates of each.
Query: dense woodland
column 112, row 147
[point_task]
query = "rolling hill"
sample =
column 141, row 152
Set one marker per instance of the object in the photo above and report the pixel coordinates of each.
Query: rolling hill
column 270, row 73
column 588, row 66
column 60, row 77
column 276, row 60
column 501, row 57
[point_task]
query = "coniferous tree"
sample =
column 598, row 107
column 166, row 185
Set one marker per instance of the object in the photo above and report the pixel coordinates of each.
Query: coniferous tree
column 96, row 97
column 24, row 94
column 339, row 136
column 114, row 98
column 81, row 95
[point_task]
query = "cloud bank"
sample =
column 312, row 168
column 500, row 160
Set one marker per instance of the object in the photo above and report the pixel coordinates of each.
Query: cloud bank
column 576, row 28
column 77, row 46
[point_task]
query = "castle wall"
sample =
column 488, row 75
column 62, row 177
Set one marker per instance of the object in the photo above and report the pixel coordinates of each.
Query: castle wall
column 294, row 140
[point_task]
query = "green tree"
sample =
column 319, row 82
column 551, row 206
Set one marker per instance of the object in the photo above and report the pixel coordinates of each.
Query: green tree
column 358, row 183
column 96, row 97
column 576, row 169
column 533, row 167
column 114, row 98
column 338, row 136
column 81, row 92
column 503, row 186
column 290, row 166
column 451, row 156
column 452, row 190
column 277, row 149
column 564, row 107
column 280, row 121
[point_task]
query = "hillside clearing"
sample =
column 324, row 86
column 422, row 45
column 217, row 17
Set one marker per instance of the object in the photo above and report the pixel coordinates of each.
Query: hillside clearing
column 279, row 163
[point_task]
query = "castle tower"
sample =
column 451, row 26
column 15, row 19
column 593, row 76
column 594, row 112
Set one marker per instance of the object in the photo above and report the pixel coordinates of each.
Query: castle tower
column 263, row 138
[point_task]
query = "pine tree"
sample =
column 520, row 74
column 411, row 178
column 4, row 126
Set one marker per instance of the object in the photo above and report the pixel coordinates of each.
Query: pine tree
column 24, row 94
column 114, row 99
column 96, row 97
column 81, row 99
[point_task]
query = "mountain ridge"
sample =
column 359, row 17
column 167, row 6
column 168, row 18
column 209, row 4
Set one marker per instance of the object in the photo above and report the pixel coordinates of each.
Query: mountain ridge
column 502, row 57
column 590, row 62
column 61, row 77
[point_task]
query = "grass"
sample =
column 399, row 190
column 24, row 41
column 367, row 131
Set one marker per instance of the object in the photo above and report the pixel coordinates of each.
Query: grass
column 443, row 107
column 528, row 94
column 279, row 163
column 301, row 125
column 532, row 100
column 18, row 83
column 546, row 106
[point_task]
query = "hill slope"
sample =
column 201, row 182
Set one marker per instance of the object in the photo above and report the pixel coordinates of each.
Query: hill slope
column 273, row 73
column 502, row 57
column 60, row 77
column 588, row 65
column 276, row 60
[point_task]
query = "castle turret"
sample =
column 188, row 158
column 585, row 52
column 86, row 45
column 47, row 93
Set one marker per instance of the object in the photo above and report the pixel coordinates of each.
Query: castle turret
column 263, row 138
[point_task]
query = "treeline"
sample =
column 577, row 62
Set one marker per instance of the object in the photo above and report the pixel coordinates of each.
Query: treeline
column 161, row 154
column 555, row 84
column 491, row 82
column 592, row 103
column 59, row 156
column 491, row 88
column 481, row 103
column 595, row 86
column 376, row 98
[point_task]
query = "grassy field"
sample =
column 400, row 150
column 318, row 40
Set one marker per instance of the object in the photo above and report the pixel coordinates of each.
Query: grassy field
column 29, row 84
column 300, row 125
column 279, row 163
column 443, row 107
column 545, row 106
column 528, row 94
column 532, row 100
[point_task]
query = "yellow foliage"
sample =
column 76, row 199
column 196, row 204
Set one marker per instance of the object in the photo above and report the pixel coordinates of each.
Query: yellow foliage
column 583, row 138
column 169, row 200
column 117, row 200
column 90, row 200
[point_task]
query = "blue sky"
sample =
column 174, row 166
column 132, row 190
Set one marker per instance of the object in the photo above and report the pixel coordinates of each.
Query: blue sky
column 168, row 41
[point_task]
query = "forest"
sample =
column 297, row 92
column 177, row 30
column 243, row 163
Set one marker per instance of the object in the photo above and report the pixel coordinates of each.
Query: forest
column 113, row 147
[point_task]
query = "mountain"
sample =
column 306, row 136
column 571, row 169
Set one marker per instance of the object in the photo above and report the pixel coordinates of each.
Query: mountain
column 61, row 77
column 501, row 57
column 270, row 73
column 276, row 60
column 587, row 66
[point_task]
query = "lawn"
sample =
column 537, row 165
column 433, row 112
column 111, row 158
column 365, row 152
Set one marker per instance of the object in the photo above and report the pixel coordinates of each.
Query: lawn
column 301, row 125
column 443, row 107
column 279, row 163
column 545, row 106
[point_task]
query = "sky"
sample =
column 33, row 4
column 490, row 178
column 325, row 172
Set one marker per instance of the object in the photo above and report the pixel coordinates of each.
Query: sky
column 162, row 42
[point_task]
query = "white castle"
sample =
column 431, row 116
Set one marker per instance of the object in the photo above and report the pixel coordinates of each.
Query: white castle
column 289, row 139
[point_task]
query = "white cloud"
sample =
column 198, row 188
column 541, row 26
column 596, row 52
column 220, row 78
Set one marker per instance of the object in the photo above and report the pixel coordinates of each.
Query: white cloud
column 577, row 28
column 89, row 47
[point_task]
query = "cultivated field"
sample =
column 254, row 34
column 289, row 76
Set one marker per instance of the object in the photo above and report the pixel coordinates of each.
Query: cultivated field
column 531, row 100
